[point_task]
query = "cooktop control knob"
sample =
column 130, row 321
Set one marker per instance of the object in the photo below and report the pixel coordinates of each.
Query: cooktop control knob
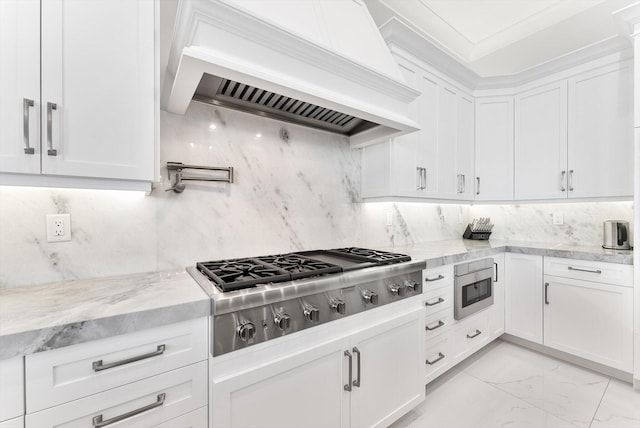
column 311, row 313
column 282, row 320
column 411, row 285
column 370, row 297
column 246, row 331
column 399, row 290
column 338, row 306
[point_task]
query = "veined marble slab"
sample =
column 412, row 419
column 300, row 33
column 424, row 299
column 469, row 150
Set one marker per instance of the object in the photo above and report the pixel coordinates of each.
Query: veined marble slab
column 459, row 250
column 49, row 316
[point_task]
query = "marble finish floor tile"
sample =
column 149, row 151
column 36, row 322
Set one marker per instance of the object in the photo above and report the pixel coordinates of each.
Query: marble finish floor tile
column 620, row 407
column 566, row 391
column 505, row 385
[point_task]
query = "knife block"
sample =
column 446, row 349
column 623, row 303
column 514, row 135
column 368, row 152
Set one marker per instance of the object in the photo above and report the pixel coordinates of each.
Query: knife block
column 476, row 236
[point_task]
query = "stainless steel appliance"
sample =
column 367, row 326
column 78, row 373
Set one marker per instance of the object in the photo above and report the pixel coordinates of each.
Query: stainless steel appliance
column 261, row 298
column 473, row 287
column 615, row 235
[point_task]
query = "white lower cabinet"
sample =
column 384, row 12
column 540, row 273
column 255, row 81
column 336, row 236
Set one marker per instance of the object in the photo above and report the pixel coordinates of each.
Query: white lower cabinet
column 498, row 309
column 589, row 319
column 368, row 378
column 145, row 403
column 438, row 355
column 13, row 423
column 471, row 334
column 523, row 296
column 11, row 389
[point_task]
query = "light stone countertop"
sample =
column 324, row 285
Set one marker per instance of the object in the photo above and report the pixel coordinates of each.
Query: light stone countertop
column 440, row 253
column 42, row 317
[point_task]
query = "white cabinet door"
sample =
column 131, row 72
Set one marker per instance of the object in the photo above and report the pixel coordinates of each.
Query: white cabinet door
column 389, row 368
column 11, row 388
column 20, row 86
column 524, row 296
column 497, row 310
column 465, row 147
column 541, row 143
column 304, row 389
column 601, row 132
column 98, row 88
column 13, row 423
column 494, row 149
column 447, row 143
column 590, row 320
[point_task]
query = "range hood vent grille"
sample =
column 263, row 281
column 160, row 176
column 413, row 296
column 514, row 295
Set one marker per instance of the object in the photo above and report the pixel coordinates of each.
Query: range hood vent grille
column 228, row 93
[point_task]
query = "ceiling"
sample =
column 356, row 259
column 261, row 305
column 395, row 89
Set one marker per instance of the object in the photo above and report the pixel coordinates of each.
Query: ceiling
column 507, row 37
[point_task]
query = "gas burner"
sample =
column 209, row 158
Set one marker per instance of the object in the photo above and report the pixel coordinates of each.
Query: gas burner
column 376, row 256
column 300, row 266
column 235, row 274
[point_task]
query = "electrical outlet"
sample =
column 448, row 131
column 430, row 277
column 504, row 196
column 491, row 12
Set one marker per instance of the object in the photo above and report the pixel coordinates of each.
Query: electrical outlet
column 558, row 218
column 58, row 227
column 389, row 219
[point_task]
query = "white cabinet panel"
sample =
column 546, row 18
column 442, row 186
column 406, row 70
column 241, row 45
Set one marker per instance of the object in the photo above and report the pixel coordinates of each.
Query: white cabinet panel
column 438, row 355
column 498, row 308
column 494, row 149
column 590, row 320
column 610, row 273
column 98, row 70
column 13, row 423
column 447, row 142
column 11, row 388
column 196, row 419
column 601, row 132
column 171, row 394
column 541, row 143
column 304, row 389
column 471, row 334
column 19, row 81
column 524, row 296
column 68, row 373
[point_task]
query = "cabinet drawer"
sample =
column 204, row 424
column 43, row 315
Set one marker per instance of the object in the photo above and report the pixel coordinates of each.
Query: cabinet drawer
column 66, row 374
column 438, row 356
column 471, row 334
column 196, row 419
column 609, row 273
column 13, row 423
column 437, row 300
column 441, row 276
column 11, row 388
column 437, row 323
column 171, row 394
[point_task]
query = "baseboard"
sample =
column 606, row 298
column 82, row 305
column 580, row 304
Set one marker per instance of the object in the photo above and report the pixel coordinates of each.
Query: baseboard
column 596, row 367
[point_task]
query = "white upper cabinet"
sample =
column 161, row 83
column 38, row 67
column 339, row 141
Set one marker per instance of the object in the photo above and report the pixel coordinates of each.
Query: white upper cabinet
column 95, row 59
column 601, row 132
column 494, row 149
column 20, row 86
column 541, row 143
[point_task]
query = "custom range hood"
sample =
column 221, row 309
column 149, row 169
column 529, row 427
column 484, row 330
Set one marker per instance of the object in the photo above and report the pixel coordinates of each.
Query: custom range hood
column 317, row 63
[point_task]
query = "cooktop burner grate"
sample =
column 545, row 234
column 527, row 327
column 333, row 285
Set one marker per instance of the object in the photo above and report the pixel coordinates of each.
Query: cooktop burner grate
column 300, row 266
column 377, row 256
column 236, row 274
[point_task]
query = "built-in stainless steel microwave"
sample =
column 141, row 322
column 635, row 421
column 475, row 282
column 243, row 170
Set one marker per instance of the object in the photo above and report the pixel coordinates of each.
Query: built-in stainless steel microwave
column 473, row 286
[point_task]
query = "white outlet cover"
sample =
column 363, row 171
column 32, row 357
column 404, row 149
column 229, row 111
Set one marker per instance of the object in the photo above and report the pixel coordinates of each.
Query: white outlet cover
column 558, row 218
column 53, row 221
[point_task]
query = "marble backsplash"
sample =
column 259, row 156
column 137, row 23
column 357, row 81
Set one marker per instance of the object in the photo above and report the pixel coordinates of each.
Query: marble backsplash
column 294, row 189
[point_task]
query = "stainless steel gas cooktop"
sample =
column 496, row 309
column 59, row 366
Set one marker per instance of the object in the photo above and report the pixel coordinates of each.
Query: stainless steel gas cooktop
column 261, row 298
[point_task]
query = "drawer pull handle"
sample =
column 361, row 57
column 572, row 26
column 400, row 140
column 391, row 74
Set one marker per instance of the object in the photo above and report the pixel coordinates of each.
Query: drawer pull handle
column 348, row 387
column 26, row 103
column 585, row 270
column 98, row 422
column 440, row 324
column 440, row 357
column 99, row 366
column 357, row 381
column 437, row 302
column 476, row 334
column 438, row 278
column 50, row 107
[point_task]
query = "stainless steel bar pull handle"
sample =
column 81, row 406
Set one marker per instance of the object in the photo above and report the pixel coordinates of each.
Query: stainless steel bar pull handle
column 585, row 270
column 26, row 103
column 437, row 302
column 418, row 178
column 477, row 185
column 546, row 293
column 571, row 180
column 50, row 107
column 98, row 422
column 440, row 324
column 440, row 357
column 357, row 381
column 464, row 183
column 495, row 266
column 424, row 178
column 438, row 278
column 347, row 354
column 562, row 186
column 99, row 366
column 476, row 334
